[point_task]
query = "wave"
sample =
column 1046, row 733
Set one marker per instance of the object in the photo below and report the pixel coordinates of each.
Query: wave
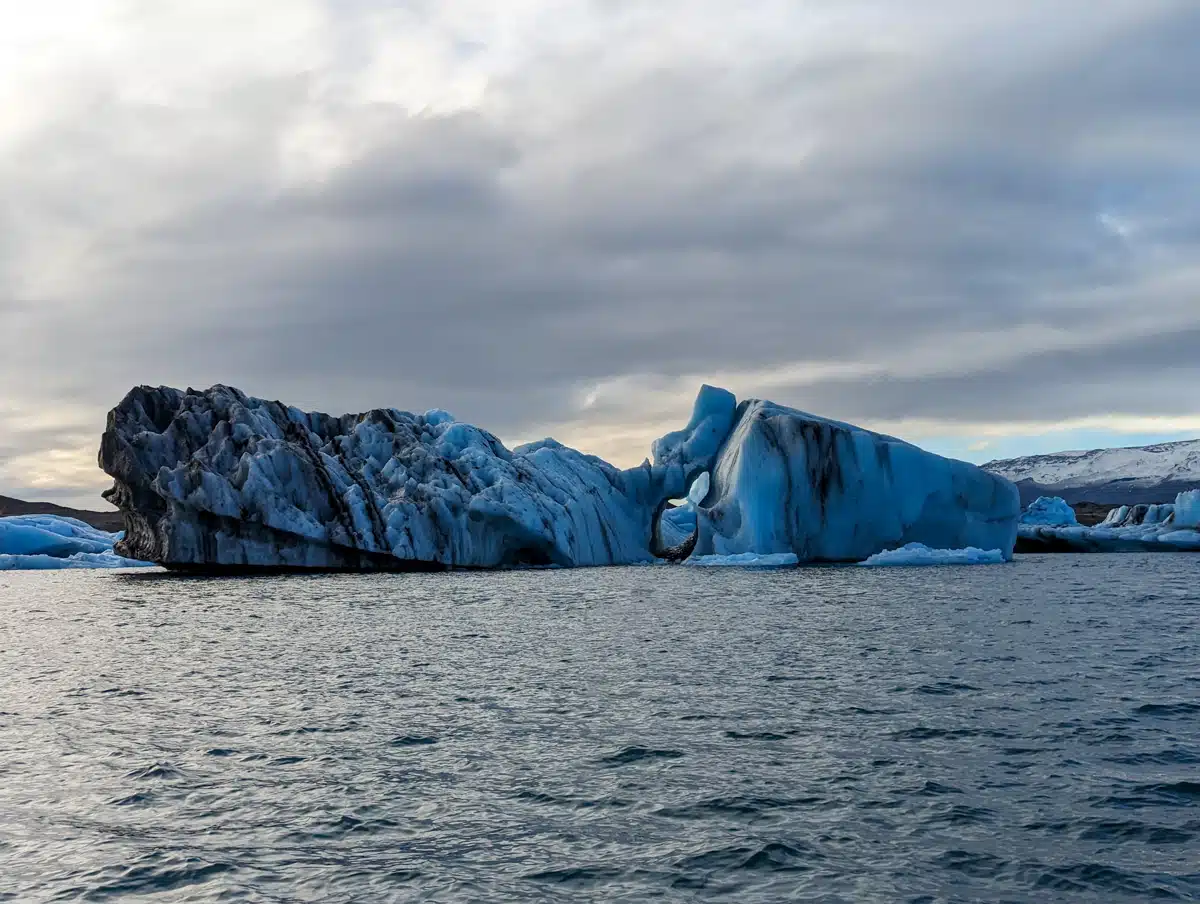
column 636, row 754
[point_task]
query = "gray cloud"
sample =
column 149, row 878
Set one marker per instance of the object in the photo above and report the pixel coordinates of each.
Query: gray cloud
column 1154, row 376
column 597, row 218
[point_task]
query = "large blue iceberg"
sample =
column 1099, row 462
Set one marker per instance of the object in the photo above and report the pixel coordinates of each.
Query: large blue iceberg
column 218, row 480
column 787, row 481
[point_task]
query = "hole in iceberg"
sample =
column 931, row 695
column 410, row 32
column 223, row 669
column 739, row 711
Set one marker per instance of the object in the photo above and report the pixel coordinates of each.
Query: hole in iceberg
column 675, row 527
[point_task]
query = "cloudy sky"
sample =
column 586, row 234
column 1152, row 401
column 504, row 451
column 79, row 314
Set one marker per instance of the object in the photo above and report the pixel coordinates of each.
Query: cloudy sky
column 975, row 225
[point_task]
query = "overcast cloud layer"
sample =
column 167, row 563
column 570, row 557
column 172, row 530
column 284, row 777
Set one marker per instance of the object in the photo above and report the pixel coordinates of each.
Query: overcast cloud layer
column 937, row 218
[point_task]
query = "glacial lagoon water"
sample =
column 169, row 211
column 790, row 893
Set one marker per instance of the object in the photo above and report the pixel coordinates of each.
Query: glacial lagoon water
column 1028, row 732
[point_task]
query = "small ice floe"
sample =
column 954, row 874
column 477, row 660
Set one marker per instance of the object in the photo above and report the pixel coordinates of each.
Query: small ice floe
column 745, row 560
column 45, row 542
column 919, row 554
column 1051, row 510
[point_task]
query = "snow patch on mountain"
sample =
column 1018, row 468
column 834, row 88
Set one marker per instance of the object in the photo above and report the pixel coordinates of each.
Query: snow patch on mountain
column 1137, row 474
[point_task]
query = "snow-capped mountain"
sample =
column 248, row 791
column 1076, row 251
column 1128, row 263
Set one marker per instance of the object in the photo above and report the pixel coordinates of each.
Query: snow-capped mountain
column 1111, row 476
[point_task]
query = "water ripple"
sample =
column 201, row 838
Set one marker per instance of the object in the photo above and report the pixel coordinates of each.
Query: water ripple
column 1020, row 734
column 628, row 755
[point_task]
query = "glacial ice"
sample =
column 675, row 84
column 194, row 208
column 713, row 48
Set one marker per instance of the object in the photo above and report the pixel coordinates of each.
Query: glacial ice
column 1051, row 510
column 677, row 525
column 745, row 560
column 788, row 481
column 78, row 560
column 49, row 541
column 1137, row 515
column 1188, row 540
column 219, row 480
column 1187, row 510
column 50, row 535
column 918, row 554
column 699, row 490
column 1166, row 527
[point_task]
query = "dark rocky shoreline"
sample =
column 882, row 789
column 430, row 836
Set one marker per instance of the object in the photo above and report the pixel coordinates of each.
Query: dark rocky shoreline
column 1089, row 514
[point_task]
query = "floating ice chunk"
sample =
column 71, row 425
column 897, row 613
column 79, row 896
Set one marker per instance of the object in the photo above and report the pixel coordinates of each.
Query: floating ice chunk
column 386, row 490
column 1049, row 510
column 918, row 554
column 50, row 535
column 1115, row 516
column 1182, row 539
column 78, row 560
column 49, row 541
column 1187, row 510
column 1138, row 515
column 745, row 560
column 1159, row 514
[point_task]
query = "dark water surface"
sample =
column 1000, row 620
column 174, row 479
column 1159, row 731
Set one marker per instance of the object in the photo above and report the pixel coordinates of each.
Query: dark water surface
column 1014, row 733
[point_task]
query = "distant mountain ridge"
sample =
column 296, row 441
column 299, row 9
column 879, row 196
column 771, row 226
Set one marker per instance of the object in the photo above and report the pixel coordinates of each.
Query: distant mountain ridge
column 107, row 521
column 1121, row 476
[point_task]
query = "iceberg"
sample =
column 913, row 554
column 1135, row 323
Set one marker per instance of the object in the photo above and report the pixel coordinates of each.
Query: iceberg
column 44, row 542
column 1187, row 510
column 1166, row 527
column 221, row 481
column 1135, row 515
column 50, row 535
column 788, row 481
column 919, row 554
column 1051, row 510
